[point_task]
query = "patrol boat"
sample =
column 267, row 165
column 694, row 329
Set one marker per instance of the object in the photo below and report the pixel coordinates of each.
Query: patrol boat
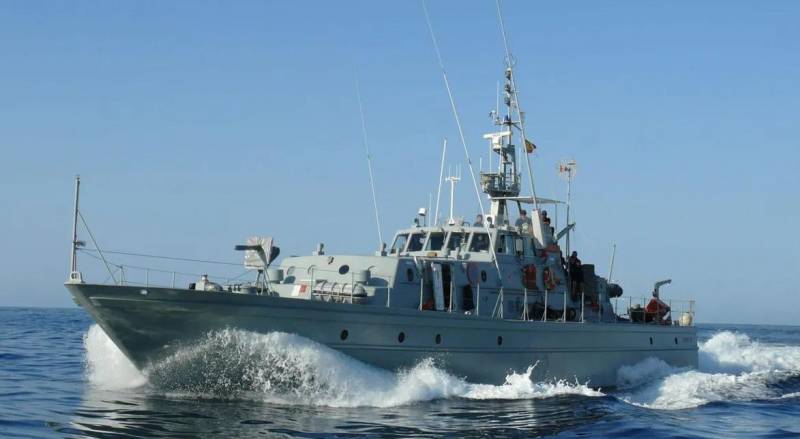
column 482, row 300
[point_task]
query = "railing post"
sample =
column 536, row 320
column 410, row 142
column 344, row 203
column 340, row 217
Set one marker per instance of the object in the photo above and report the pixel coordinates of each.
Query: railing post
column 452, row 290
column 420, row 293
column 544, row 314
column 644, row 310
column 630, row 304
column 525, row 304
column 388, row 296
column 502, row 302
column 478, row 305
column 670, row 311
column 564, row 311
column 313, row 282
column 599, row 307
column 173, row 279
column 583, row 305
column 147, row 277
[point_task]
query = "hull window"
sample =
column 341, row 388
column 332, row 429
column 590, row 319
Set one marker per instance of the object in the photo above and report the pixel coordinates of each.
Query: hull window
column 401, row 337
column 344, row 334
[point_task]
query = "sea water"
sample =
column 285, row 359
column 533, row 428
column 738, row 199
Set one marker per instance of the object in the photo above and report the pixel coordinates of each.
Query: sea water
column 61, row 376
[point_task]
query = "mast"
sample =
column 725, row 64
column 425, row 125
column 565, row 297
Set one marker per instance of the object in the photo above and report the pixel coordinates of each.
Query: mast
column 74, row 275
column 503, row 183
column 511, row 92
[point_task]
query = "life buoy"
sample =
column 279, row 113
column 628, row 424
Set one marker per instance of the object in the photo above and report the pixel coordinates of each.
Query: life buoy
column 529, row 277
column 549, row 279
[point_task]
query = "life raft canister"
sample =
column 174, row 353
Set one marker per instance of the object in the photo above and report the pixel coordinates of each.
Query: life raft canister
column 549, row 279
column 529, row 277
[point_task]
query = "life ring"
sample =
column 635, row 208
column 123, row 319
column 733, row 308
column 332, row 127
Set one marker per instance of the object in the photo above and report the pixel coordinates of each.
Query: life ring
column 529, row 277
column 549, row 279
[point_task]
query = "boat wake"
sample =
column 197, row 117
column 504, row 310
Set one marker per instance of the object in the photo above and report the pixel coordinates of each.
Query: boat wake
column 288, row 369
column 732, row 368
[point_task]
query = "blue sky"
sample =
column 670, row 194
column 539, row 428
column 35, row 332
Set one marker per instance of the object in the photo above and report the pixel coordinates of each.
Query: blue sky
column 196, row 124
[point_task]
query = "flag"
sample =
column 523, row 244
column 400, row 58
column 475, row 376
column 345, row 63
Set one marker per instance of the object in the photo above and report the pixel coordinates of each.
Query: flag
column 529, row 146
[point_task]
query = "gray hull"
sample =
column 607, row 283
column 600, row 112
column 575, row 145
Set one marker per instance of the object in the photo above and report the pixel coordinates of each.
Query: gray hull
column 149, row 327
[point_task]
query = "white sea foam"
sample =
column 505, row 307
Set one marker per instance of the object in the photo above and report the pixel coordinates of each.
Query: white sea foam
column 106, row 365
column 286, row 368
column 732, row 367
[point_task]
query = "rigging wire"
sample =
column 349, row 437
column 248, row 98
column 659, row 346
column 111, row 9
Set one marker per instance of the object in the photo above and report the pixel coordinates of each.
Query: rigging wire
column 516, row 103
column 88, row 230
column 369, row 163
column 88, row 252
column 171, row 258
column 453, row 107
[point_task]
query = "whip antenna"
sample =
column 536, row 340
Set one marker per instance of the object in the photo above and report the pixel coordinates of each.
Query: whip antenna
column 453, row 107
column 439, row 191
column 369, row 164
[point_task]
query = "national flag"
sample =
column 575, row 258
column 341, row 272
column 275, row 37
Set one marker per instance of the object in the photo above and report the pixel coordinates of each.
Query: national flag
column 529, row 146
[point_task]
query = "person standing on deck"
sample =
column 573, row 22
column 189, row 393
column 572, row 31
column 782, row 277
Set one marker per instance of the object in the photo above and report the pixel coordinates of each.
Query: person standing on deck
column 523, row 222
column 575, row 274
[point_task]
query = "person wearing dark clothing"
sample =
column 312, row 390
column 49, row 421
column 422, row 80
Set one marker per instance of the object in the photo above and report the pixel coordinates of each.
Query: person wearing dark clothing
column 575, row 274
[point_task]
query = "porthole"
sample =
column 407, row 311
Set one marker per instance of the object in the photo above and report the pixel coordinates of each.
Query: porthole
column 651, row 341
column 344, row 334
column 438, row 338
column 676, row 340
column 344, row 269
column 499, row 340
column 401, row 337
column 410, row 275
column 483, row 276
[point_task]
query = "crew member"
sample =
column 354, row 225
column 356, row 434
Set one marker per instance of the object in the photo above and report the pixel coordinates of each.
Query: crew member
column 478, row 221
column 575, row 274
column 523, row 222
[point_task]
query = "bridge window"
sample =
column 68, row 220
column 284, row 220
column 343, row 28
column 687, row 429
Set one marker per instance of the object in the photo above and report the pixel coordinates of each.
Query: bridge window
column 399, row 243
column 505, row 244
column 415, row 242
column 435, row 241
column 480, row 243
column 457, row 240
